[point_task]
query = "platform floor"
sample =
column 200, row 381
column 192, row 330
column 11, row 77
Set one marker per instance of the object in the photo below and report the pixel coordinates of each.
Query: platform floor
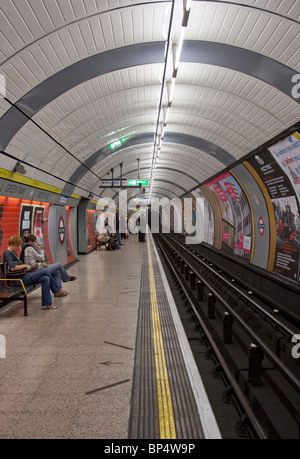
column 110, row 363
column 68, row 372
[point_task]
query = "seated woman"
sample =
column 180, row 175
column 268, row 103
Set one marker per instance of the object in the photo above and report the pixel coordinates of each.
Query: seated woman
column 40, row 276
column 32, row 253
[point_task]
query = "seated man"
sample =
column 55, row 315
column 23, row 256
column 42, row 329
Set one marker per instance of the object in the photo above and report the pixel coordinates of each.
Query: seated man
column 40, row 276
column 32, row 253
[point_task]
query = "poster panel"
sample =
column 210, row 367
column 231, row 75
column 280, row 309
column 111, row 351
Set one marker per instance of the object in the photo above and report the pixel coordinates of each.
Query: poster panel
column 286, row 211
column 235, row 213
column 287, row 155
column 188, row 215
column 209, row 225
column 26, row 220
column 287, row 220
column 38, row 225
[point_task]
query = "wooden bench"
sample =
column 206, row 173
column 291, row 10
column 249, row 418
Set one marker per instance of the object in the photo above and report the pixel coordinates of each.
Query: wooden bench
column 9, row 293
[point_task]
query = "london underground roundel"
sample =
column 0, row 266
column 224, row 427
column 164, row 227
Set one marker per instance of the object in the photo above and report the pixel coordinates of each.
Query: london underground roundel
column 261, row 226
column 61, row 230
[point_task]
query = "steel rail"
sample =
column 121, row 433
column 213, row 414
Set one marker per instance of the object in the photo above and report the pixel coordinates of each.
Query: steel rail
column 244, row 405
column 285, row 371
column 284, row 328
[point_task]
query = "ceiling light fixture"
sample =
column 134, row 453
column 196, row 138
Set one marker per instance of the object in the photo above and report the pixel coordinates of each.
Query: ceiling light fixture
column 177, row 29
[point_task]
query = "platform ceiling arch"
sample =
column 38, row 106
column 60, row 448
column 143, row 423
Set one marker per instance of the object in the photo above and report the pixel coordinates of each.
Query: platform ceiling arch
column 79, row 76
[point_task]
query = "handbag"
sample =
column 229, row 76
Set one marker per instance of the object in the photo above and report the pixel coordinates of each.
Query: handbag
column 103, row 237
column 17, row 274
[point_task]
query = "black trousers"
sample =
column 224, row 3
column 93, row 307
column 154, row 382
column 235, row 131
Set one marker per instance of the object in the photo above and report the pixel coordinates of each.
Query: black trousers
column 142, row 237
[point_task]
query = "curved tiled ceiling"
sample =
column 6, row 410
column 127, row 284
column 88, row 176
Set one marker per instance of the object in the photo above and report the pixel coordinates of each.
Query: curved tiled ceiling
column 81, row 74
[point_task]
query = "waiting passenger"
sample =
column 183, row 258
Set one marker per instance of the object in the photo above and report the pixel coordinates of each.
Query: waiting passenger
column 39, row 276
column 32, row 253
column 105, row 237
column 118, row 235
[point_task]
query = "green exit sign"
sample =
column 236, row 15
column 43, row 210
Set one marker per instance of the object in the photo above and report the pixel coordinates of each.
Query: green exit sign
column 116, row 144
column 138, row 182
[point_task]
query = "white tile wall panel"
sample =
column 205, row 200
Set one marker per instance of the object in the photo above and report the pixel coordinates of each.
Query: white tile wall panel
column 169, row 192
column 288, row 8
column 175, row 177
column 77, row 41
column 293, row 8
column 246, row 27
column 54, row 12
column 67, row 43
column 70, row 10
column 13, row 25
column 29, row 140
column 86, row 93
column 41, row 14
column 190, row 160
column 129, row 163
column 240, row 86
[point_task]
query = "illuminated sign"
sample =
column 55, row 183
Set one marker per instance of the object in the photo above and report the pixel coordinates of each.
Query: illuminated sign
column 116, row 144
column 138, row 182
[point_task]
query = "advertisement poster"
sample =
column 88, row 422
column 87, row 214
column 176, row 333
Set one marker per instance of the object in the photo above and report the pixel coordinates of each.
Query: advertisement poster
column 38, row 225
column 26, row 220
column 287, row 155
column 286, row 210
column 209, row 225
column 287, row 219
column 235, row 213
column 188, row 215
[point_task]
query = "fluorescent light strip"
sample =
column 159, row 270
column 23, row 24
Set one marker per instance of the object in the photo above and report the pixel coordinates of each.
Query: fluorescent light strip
column 176, row 52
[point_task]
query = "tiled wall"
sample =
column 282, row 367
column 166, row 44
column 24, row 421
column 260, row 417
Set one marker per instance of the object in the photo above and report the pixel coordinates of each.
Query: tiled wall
column 18, row 217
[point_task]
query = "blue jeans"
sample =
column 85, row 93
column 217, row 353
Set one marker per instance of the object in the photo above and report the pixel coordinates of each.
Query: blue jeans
column 41, row 277
column 58, row 272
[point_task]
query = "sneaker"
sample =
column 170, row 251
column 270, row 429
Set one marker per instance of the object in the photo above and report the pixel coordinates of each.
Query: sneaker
column 73, row 278
column 49, row 307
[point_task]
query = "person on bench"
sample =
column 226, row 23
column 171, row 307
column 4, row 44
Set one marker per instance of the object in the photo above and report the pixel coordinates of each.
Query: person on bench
column 39, row 276
column 32, row 254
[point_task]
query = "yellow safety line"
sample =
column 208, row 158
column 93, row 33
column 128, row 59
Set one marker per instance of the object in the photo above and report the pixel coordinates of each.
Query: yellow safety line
column 165, row 406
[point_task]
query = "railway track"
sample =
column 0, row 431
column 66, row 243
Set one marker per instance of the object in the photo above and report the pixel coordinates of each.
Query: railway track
column 250, row 344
